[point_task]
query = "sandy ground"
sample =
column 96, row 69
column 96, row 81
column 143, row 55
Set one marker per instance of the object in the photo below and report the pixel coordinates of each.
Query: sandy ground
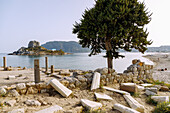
column 73, row 101
column 161, row 61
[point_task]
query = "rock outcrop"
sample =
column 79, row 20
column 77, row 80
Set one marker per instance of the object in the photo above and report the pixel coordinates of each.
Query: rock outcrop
column 33, row 44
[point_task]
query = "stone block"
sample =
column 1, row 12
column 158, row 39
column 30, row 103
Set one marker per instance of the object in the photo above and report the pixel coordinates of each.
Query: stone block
column 164, row 88
column 91, row 105
column 153, row 89
column 146, row 85
column 20, row 86
column 64, row 91
column 10, row 102
column 116, row 90
column 129, row 87
column 32, row 103
column 140, row 88
column 124, row 109
column 65, row 72
column 30, row 84
column 2, row 91
column 96, row 81
column 32, row 90
column 13, row 93
column 134, row 61
column 52, row 109
column 160, row 99
column 41, row 85
column 17, row 111
column 11, row 77
column 149, row 93
column 100, row 96
column 134, row 104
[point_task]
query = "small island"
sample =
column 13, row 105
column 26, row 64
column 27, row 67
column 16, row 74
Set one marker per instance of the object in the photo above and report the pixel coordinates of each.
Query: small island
column 35, row 49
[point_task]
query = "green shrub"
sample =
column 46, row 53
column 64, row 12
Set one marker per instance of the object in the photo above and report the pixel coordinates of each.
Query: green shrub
column 162, row 108
column 135, row 94
column 151, row 101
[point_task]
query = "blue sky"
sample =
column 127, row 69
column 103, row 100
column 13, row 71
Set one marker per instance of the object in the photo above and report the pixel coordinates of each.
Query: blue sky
column 47, row 20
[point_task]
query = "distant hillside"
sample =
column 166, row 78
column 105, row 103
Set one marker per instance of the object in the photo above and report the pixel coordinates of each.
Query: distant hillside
column 70, row 47
column 159, row 49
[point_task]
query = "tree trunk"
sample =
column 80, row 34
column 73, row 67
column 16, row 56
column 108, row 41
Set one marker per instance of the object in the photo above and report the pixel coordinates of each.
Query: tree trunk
column 110, row 62
column 109, row 54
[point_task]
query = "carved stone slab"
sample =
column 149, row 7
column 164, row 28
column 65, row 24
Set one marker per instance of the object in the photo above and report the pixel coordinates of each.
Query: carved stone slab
column 96, row 81
column 116, row 90
column 124, row 109
column 91, row 105
column 134, row 104
column 52, row 109
column 64, row 91
column 100, row 96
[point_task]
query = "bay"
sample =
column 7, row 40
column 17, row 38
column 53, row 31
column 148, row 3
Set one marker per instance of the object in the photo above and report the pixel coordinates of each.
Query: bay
column 74, row 61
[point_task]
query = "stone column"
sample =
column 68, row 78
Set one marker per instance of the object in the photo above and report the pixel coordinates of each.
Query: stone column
column 36, row 71
column 52, row 68
column 4, row 60
column 46, row 64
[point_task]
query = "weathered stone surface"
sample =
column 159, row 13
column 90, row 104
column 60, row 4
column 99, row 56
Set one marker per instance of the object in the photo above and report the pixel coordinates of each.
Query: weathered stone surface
column 13, row 93
column 140, row 88
column 116, row 90
column 5, row 87
column 78, row 109
column 72, row 86
column 17, row 111
column 81, row 78
column 2, row 91
column 134, row 104
column 164, row 88
column 153, row 89
column 65, row 72
column 60, row 87
column 20, row 86
column 13, row 86
column 96, row 81
column 129, row 87
column 30, row 84
column 160, row 99
column 32, row 90
column 52, row 109
column 10, row 102
column 42, row 101
column 41, row 85
column 124, row 109
column 100, row 96
column 64, row 82
column 146, row 85
column 91, row 105
column 33, row 44
column 71, row 80
column 32, row 103
column 102, row 71
column 11, row 77
column 147, row 92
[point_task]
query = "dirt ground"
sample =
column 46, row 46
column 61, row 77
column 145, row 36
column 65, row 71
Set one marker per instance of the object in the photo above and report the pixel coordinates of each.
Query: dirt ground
column 73, row 100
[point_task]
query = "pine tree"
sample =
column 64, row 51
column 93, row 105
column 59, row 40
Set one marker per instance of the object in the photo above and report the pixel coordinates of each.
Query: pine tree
column 112, row 25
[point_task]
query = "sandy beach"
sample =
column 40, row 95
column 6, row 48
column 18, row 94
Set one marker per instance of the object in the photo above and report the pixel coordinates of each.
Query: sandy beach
column 161, row 61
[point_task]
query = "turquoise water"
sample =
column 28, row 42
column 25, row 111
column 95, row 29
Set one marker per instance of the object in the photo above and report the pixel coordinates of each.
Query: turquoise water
column 74, row 61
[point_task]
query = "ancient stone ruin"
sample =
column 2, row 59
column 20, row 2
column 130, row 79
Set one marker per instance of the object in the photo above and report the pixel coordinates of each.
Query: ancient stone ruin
column 33, row 44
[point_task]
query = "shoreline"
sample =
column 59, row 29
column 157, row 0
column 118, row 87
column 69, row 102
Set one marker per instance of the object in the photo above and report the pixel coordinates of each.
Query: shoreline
column 161, row 62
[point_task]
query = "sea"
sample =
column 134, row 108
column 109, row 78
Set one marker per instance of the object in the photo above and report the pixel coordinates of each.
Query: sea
column 79, row 61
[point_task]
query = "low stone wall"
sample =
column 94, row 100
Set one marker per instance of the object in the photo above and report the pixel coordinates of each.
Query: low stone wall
column 136, row 73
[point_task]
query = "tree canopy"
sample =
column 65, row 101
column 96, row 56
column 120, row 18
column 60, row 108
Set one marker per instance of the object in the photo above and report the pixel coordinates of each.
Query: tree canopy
column 112, row 25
